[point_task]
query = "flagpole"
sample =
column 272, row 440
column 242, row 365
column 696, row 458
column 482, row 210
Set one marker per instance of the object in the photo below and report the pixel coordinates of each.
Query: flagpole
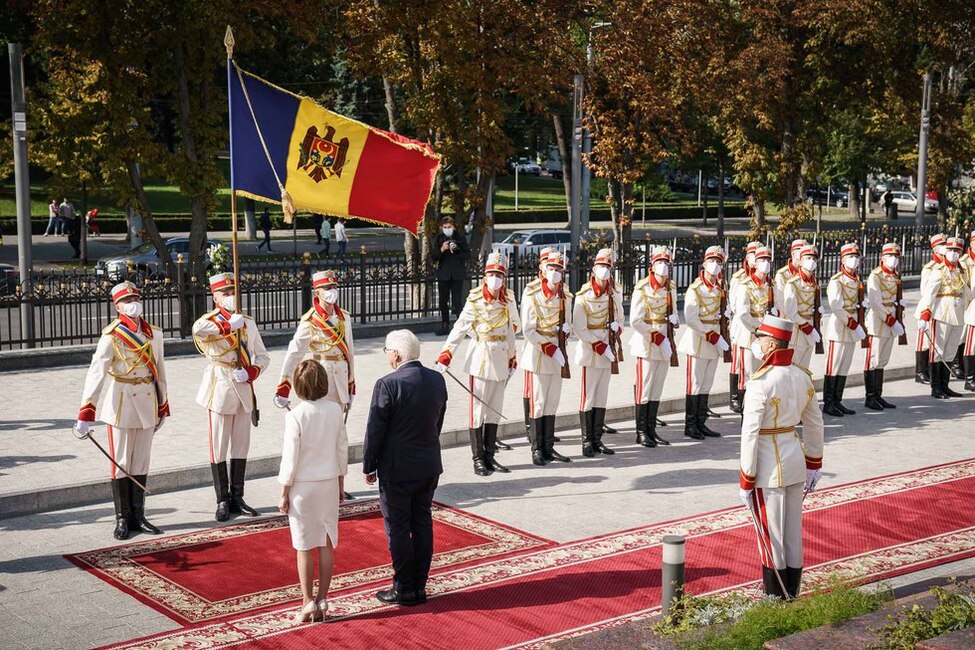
column 228, row 41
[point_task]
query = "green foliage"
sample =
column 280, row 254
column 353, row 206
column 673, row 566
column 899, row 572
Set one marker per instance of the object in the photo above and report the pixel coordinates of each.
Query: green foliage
column 220, row 258
column 955, row 611
column 961, row 211
column 734, row 622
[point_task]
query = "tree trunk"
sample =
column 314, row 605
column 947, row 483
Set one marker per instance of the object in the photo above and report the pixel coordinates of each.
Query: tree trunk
column 626, row 223
column 198, row 223
column 564, row 159
column 460, row 214
column 721, row 201
column 758, row 206
column 853, row 190
column 148, row 223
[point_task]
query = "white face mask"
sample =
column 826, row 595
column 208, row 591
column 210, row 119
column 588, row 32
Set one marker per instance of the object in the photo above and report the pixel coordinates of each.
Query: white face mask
column 750, row 259
column 131, row 309
column 757, row 351
column 601, row 273
column 891, row 261
column 762, row 266
column 553, row 276
column 809, row 264
column 661, row 269
column 330, row 296
column 493, row 283
column 448, row 232
column 851, row 262
column 952, row 256
column 229, row 303
column 712, row 268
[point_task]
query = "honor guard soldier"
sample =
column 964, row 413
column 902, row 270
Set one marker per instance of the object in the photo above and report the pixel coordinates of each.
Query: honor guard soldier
column 800, row 305
column 232, row 344
column 844, row 331
column 546, row 316
column 734, row 379
column 490, row 318
column 597, row 314
column 752, row 299
column 325, row 331
column 526, row 391
column 703, row 343
column 775, row 462
column 922, row 374
column 789, row 271
column 128, row 364
column 883, row 326
column 652, row 317
column 968, row 263
column 942, row 315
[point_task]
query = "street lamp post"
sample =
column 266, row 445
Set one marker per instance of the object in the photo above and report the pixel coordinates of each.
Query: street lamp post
column 922, row 153
column 575, row 224
column 18, row 105
column 587, row 137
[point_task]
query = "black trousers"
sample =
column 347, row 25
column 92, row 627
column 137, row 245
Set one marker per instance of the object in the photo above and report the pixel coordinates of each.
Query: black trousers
column 450, row 298
column 409, row 528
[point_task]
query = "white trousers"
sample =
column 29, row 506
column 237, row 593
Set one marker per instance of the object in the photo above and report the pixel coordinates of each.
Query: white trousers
column 650, row 376
column 779, row 513
column 595, row 388
column 969, row 340
column 700, row 375
column 746, row 363
column 130, row 448
column 229, row 433
column 803, row 350
column 839, row 357
column 921, row 343
column 543, row 392
column 878, row 354
column 946, row 339
column 489, row 391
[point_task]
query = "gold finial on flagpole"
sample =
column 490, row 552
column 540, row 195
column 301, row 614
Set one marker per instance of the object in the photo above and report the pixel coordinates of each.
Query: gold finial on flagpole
column 228, row 42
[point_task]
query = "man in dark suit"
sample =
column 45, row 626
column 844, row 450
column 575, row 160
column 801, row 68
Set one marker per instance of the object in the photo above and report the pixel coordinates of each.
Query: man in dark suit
column 451, row 252
column 402, row 447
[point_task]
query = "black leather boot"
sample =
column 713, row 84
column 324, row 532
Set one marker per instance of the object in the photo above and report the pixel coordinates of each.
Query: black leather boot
column 528, row 417
column 829, row 397
column 733, row 395
column 501, row 445
column 937, row 390
column 838, row 395
column 878, row 379
column 477, row 451
column 641, row 424
column 922, row 368
column 771, row 583
column 872, row 393
column 690, row 418
column 238, row 468
column 585, row 423
column 606, row 428
column 491, row 443
column 221, row 485
column 137, row 521
column 653, row 422
column 957, row 369
column 536, row 434
column 793, row 578
column 598, row 426
column 122, row 496
column 549, row 441
column 946, row 382
column 970, row 372
column 702, row 417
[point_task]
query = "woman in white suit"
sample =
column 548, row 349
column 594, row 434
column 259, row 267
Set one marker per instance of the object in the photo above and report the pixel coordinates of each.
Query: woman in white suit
column 314, row 461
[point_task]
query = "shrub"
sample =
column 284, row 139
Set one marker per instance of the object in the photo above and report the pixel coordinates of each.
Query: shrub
column 955, row 611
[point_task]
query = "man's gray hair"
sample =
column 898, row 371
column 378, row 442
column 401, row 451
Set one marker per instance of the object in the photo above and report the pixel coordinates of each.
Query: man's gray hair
column 404, row 342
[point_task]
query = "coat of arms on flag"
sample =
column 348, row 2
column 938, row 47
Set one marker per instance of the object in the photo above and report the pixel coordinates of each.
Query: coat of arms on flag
column 321, row 156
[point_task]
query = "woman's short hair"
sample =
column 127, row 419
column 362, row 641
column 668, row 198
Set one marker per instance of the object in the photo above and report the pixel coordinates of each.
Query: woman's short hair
column 404, row 342
column 311, row 381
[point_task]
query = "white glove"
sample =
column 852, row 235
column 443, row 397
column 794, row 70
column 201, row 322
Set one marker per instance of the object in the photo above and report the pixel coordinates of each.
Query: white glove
column 281, row 401
column 236, row 321
column 608, row 353
column 511, row 372
column 815, row 336
column 822, row 310
column 721, row 344
column 674, row 319
column 665, row 347
column 866, row 305
column 727, row 313
column 860, row 333
column 746, row 497
column 897, row 328
column 440, row 367
column 812, row 478
column 922, row 326
column 616, row 327
column 566, row 329
column 159, row 425
column 351, row 399
column 241, row 376
column 81, row 429
column 774, row 311
column 559, row 357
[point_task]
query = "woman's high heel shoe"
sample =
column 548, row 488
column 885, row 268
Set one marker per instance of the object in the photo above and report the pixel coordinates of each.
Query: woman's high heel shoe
column 322, row 609
column 307, row 613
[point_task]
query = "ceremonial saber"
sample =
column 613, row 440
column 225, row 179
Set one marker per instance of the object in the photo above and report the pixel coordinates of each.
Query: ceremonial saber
column 117, row 466
column 469, row 392
column 768, row 550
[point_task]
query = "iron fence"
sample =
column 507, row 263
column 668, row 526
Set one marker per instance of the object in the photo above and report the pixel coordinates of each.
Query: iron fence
column 72, row 306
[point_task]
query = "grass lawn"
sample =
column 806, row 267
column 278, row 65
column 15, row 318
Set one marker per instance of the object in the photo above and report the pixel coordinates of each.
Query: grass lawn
column 547, row 192
column 162, row 198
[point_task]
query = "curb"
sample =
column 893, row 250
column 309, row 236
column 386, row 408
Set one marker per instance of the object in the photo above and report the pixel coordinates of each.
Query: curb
column 90, row 492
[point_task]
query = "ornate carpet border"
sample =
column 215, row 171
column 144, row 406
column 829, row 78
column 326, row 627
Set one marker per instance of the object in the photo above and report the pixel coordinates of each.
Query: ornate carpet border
column 117, row 565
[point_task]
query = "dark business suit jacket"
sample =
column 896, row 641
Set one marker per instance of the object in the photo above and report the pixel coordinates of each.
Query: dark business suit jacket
column 405, row 418
column 451, row 265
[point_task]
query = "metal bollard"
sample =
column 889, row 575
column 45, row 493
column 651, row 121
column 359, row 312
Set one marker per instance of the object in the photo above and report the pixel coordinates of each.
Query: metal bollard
column 672, row 571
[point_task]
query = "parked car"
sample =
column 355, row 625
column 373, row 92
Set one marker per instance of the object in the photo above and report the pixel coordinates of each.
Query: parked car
column 145, row 259
column 907, row 202
column 532, row 241
column 820, row 196
column 11, row 278
column 525, row 166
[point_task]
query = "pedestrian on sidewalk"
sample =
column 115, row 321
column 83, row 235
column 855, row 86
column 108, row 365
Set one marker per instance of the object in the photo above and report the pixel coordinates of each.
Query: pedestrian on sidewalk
column 266, row 228
column 325, row 234
column 128, row 364
column 316, row 222
column 401, row 450
column 93, row 228
column 314, row 462
column 340, row 237
column 54, row 219
column 72, row 226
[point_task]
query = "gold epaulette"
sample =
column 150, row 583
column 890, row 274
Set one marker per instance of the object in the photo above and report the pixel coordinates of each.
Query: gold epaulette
column 475, row 294
column 836, row 276
column 584, row 288
column 111, row 326
column 510, row 295
column 784, row 269
column 803, row 368
column 738, row 273
column 876, row 271
column 211, row 313
column 930, row 264
column 761, row 371
column 307, row 314
column 673, row 285
column 794, row 279
column 694, row 285
column 642, row 283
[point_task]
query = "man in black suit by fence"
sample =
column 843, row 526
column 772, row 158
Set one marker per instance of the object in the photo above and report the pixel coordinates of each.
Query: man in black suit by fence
column 450, row 252
column 402, row 448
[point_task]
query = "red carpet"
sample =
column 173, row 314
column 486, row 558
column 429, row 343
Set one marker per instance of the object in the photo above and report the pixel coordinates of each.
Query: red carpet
column 866, row 531
column 232, row 570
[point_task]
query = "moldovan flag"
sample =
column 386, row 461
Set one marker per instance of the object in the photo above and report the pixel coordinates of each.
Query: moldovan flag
column 327, row 163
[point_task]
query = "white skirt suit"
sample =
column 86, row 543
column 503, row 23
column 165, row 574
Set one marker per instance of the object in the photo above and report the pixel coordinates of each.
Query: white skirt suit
column 313, row 457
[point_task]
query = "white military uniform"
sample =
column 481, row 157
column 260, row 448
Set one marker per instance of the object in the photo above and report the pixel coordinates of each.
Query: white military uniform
column 590, row 313
column 842, row 296
column 774, row 458
column 228, row 403
column 735, row 368
column 327, row 338
column 752, row 299
column 943, row 302
column 923, row 343
column 540, row 308
column 799, row 307
column 128, row 374
column 881, row 316
column 968, row 264
column 702, row 313
column 782, row 277
column 648, row 318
